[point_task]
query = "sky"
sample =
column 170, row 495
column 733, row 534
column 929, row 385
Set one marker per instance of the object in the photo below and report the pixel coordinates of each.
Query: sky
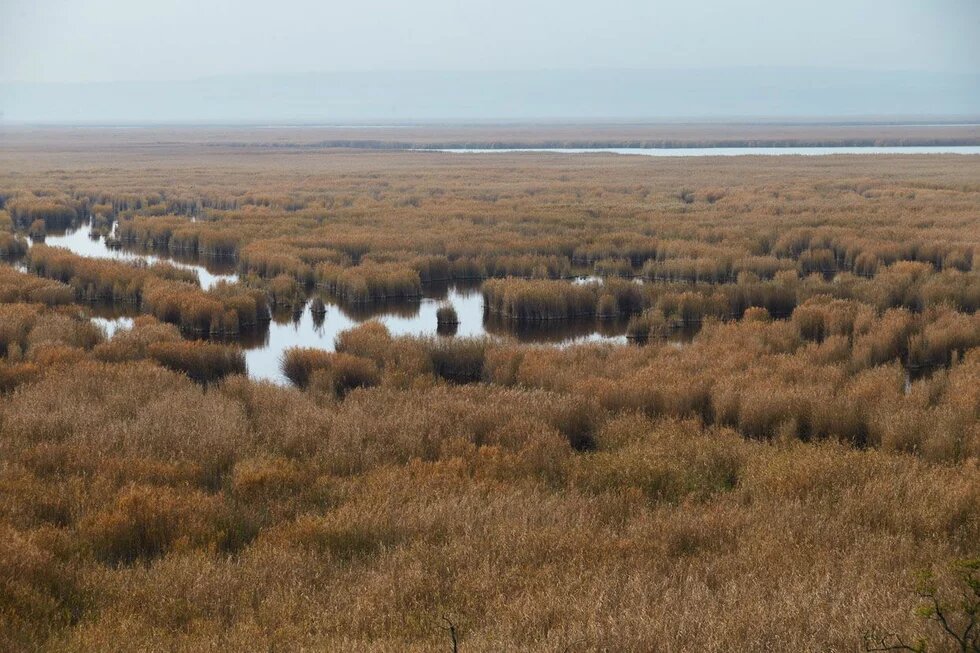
column 135, row 40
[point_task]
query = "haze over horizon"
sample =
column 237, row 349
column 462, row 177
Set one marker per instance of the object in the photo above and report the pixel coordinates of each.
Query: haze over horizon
column 306, row 61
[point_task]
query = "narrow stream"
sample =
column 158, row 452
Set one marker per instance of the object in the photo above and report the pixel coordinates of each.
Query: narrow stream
column 81, row 242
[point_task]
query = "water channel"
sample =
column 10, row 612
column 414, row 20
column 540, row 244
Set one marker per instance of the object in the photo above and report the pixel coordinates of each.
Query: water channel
column 264, row 347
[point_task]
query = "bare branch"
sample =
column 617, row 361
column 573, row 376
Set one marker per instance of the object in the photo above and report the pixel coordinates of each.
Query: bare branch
column 452, row 634
column 883, row 645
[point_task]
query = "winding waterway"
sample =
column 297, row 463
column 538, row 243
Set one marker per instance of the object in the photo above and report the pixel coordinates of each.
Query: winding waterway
column 264, row 347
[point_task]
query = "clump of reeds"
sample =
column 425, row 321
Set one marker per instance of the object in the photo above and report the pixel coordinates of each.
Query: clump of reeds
column 17, row 322
column 62, row 327
column 690, row 309
column 432, row 269
column 38, row 230
column 16, row 286
column 886, row 339
column 763, row 267
column 756, row 314
column 285, row 292
column 317, row 307
column 102, row 213
column 539, row 300
column 466, row 268
column 98, row 279
column 458, row 360
column 133, row 343
column 203, row 362
column 336, row 372
column 11, row 247
column 693, row 270
column 649, row 325
column 370, row 340
column 146, row 522
column 269, row 259
column 447, row 321
column 526, row 266
column 14, row 374
column 318, row 310
column 298, row 364
column 219, row 243
column 949, row 335
column 614, row 267
column 224, row 309
column 446, row 315
column 55, row 213
column 345, row 373
column 370, row 281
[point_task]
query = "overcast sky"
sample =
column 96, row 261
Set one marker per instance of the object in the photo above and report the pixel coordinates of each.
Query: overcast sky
column 113, row 40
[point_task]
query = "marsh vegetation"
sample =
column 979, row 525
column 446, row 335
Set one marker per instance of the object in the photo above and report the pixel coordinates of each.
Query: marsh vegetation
column 791, row 432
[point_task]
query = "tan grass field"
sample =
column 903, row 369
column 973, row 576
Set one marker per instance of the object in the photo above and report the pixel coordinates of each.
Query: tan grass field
column 776, row 484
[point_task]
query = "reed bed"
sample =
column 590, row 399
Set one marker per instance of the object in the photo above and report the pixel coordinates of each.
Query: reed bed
column 52, row 211
column 650, row 324
column 225, row 309
column 370, row 282
column 285, row 292
column 37, row 230
column 821, row 425
column 458, row 360
column 94, row 280
column 530, row 301
column 336, row 372
column 26, row 329
column 614, row 267
column 11, row 246
column 194, row 514
column 17, row 286
column 201, row 361
column 170, row 293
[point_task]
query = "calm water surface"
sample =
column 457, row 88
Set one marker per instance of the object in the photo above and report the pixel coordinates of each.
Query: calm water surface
column 731, row 151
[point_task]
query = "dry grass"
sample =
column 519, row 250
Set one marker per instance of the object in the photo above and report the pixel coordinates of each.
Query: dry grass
column 773, row 484
column 16, row 286
column 374, row 518
column 204, row 362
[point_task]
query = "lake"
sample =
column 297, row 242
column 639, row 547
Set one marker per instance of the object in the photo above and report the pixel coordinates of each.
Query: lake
column 730, row 151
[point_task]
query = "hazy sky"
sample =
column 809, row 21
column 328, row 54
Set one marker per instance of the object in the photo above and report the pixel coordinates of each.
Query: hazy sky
column 110, row 40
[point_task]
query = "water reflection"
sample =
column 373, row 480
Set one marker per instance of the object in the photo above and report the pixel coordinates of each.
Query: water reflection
column 112, row 325
column 265, row 347
column 558, row 332
column 109, row 311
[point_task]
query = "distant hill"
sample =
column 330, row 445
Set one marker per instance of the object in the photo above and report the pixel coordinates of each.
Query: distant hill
column 387, row 97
